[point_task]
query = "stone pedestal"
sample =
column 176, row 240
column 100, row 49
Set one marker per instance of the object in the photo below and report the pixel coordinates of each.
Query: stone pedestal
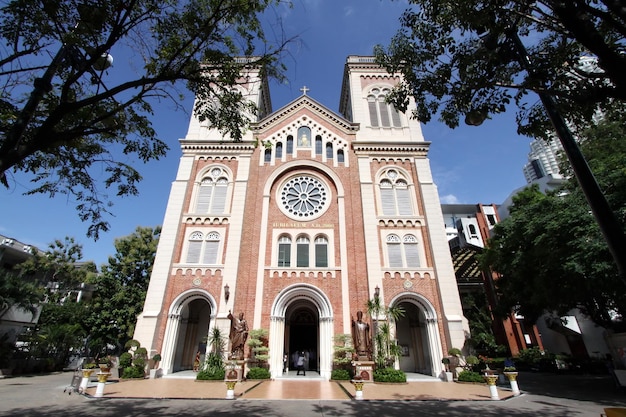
column 234, row 370
column 85, row 381
column 364, row 370
column 230, row 389
column 358, row 389
column 493, row 390
column 512, row 377
column 102, row 380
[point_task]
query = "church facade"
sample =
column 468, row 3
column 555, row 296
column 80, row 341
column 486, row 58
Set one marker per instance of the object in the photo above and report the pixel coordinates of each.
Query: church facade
column 299, row 225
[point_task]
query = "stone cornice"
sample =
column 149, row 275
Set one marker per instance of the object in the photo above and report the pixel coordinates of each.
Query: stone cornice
column 391, row 148
column 199, row 147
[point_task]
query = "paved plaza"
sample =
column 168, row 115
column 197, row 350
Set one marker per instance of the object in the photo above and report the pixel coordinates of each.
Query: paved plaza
column 542, row 394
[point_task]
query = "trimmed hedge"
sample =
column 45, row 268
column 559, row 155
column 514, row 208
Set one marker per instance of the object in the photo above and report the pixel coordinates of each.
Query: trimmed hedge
column 470, row 376
column 211, row 374
column 340, row 375
column 389, row 375
column 258, row 373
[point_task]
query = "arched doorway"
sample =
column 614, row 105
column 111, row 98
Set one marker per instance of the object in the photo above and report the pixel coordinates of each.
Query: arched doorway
column 187, row 329
column 302, row 318
column 193, row 332
column 418, row 335
column 302, row 334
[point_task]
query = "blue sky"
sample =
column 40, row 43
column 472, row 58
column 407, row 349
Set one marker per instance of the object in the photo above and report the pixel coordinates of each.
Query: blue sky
column 469, row 164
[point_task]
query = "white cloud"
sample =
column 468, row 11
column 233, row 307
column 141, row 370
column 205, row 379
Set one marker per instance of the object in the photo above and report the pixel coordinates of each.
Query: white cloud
column 449, row 199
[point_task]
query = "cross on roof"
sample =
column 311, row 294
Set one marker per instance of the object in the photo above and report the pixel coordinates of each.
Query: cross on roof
column 304, row 90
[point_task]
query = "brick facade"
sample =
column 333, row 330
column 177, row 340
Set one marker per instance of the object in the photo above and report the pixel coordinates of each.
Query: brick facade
column 304, row 220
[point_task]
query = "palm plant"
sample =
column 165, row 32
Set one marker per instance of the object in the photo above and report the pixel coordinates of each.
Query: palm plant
column 386, row 350
column 216, row 340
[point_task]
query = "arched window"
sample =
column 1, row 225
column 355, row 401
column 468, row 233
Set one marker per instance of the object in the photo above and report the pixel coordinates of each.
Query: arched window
column 304, row 137
column 279, row 150
column 203, row 249
column 394, row 251
column 212, row 192
column 302, row 252
column 289, row 145
column 403, row 253
column 329, row 150
column 395, row 194
column 321, row 252
column 340, row 156
column 268, row 155
column 318, row 145
column 284, row 251
column 381, row 113
column 411, row 251
column 211, row 247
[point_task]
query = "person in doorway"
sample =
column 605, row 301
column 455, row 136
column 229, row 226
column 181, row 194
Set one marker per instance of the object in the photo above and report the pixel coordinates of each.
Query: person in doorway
column 300, row 364
column 196, row 362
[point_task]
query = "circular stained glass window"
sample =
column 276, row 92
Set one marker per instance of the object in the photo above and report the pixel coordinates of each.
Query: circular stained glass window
column 304, row 197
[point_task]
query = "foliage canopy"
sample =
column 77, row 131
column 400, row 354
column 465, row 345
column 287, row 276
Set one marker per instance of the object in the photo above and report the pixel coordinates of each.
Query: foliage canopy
column 67, row 123
column 458, row 59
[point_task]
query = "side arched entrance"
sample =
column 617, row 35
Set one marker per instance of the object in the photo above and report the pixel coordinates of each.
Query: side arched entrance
column 301, row 319
column 188, row 324
column 417, row 334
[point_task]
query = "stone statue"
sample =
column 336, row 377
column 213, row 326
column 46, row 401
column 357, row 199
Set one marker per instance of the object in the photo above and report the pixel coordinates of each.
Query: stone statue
column 361, row 337
column 238, row 335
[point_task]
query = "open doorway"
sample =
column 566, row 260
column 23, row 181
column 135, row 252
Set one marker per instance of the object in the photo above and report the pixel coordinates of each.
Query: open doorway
column 302, row 334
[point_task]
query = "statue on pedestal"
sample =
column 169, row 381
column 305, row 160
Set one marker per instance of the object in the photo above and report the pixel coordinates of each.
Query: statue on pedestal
column 361, row 337
column 238, row 335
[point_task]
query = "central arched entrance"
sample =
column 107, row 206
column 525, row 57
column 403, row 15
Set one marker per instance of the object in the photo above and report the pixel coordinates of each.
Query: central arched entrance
column 302, row 334
column 302, row 319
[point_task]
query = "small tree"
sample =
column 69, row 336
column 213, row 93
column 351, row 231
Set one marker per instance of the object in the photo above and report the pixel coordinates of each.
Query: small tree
column 258, row 342
column 343, row 350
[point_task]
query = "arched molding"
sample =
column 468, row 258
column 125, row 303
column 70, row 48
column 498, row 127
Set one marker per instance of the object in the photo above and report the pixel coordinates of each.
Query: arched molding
column 302, row 292
column 321, row 169
column 417, row 299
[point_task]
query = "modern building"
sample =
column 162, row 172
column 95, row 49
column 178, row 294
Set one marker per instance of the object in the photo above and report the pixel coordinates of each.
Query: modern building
column 13, row 320
column 299, row 225
column 543, row 160
column 468, row 227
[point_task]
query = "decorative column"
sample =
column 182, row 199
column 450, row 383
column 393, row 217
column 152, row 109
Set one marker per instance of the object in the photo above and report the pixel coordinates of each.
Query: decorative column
column 85, row 381
column 493, row 390
column 102, row 380
column 358, row 389
column 230, row 389
column 169, row 342
column 512, row 377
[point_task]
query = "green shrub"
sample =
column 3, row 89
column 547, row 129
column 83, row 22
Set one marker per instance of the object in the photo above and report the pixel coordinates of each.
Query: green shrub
column 340, row 375
column 389, row 375
column 211, row 374
column 258, row 373
column 470, row 376
column 134, row 372
column 125, row 360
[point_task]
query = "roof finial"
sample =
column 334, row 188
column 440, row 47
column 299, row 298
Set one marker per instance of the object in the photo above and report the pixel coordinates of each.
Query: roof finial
column 304, row 90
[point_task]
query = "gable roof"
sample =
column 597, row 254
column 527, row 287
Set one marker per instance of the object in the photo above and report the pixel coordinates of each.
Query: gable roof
column 297, row 105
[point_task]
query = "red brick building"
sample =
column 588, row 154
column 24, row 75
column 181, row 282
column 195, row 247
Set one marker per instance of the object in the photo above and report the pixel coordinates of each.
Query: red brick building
column 299, row 225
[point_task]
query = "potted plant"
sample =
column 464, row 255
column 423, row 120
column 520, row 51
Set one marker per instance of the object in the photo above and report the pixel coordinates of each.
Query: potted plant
column 155, row 366
column 447, row 374
column 105, row 364
column 88, row 368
